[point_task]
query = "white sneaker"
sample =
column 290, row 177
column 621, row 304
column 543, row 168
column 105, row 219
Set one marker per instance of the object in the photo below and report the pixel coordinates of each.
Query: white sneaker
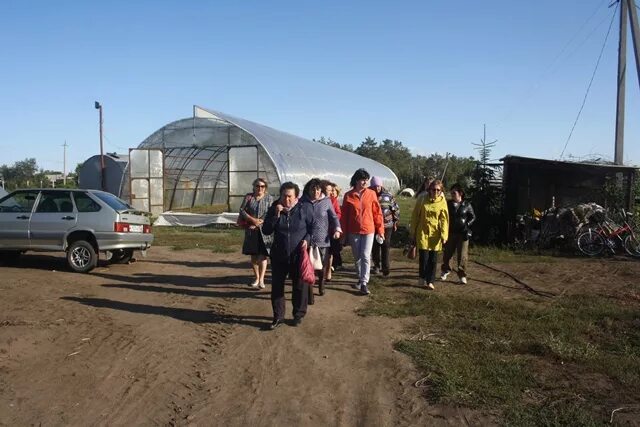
column 261, row 285
column 444, row 276
column 430, row 286
column 421, row 282
column 463, row 280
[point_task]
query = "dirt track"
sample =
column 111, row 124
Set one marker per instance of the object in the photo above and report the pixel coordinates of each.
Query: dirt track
column 177, row 338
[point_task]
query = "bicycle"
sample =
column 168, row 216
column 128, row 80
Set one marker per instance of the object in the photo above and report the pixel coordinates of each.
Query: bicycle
column 608, row 235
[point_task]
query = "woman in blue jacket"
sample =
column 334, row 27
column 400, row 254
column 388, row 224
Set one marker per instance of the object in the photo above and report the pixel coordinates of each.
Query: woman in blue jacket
column 291, row 224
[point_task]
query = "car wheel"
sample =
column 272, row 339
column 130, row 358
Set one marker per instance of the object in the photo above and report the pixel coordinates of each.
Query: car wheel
column 121, row 256
column 82, row 256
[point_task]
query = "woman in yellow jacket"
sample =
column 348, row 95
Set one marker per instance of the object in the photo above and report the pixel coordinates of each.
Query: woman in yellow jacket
column 430, row 231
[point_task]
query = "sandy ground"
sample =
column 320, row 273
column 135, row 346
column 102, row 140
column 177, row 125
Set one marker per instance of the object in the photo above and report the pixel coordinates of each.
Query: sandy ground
column 177, row 339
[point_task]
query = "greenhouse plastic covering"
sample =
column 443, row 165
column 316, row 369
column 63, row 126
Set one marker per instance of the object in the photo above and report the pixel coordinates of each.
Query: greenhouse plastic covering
column 213, row 158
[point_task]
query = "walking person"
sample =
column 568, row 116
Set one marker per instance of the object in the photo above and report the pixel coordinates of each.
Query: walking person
column 461, row 217
column 391, row 216
column 291, row 224
column 330, row 189
column 256, row 244
column 361, row 220
column 429, row 231
column 337, row 246
column 325, row 226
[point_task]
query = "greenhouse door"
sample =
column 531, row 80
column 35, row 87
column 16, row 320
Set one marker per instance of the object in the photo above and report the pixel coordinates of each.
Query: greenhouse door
column 243, row 169
column 146, row 179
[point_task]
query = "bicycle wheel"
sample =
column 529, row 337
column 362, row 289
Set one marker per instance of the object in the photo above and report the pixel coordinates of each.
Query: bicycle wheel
column 632, row 245
column 590, row 243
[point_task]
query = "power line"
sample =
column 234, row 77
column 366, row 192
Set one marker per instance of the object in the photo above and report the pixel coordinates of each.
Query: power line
column 555, row 61
column 584, row 100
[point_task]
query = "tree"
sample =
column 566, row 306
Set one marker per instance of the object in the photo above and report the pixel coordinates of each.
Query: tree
column 486, row 197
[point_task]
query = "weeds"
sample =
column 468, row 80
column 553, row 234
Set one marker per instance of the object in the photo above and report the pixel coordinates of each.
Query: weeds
column 216, row 240
column 495, row 354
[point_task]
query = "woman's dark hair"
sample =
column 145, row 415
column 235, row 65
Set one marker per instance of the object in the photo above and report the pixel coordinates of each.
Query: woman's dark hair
column 312, row 185
column 457, row 187
column 290, row 186
column 358, row 175
column 324, row 184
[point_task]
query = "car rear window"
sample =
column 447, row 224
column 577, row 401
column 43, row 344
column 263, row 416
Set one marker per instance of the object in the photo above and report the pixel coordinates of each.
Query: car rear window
column 112, row 201
column 84, row 203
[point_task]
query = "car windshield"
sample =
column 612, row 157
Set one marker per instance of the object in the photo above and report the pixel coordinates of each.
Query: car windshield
column 113, row 201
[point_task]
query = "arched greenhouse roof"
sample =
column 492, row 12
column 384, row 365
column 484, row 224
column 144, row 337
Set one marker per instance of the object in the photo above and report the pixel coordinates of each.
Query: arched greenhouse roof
column 298, row 159
column 213, row 158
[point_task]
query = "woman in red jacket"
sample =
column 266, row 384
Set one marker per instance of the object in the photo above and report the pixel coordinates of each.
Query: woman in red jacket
column 361, row 220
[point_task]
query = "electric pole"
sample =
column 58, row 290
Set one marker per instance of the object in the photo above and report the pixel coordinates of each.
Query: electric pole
column 627, row 9
column 98, row 107
column 64, row 163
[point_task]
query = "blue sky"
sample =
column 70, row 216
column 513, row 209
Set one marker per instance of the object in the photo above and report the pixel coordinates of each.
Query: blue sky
column 427, row 73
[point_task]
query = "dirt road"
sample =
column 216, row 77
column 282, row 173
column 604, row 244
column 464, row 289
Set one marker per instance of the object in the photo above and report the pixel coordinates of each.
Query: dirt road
column 177, row 339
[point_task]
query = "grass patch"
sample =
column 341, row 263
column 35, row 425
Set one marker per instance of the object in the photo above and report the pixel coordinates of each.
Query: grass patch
column 533, row 360
column 216, row 240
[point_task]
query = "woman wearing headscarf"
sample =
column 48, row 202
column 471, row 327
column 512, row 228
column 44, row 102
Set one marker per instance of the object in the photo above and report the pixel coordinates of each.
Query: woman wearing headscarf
column 429, row 230
column 391, row 216
column 291, row 224
column 253, row 210
column 362, row 222
column 325, row 225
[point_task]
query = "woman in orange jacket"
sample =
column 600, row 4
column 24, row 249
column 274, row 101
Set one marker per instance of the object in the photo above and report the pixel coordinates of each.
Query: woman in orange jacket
column 361, row 220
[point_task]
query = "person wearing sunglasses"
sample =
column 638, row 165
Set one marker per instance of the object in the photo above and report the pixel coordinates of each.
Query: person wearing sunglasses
column 256, row 244
column 429, row 231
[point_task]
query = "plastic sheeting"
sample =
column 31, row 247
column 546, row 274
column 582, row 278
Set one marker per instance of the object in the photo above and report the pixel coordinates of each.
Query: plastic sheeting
column 194, row 220
column 297, row 159
column 213, row 158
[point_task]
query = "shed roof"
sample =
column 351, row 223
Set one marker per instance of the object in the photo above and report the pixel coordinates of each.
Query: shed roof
column 530, row 160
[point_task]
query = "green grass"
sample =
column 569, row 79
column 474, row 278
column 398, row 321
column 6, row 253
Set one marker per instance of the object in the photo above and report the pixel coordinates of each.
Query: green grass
column 513, row 356
column 216, row 240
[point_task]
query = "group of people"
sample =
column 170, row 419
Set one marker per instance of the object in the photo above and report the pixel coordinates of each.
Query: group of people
column 437, row 225
column 294, row 226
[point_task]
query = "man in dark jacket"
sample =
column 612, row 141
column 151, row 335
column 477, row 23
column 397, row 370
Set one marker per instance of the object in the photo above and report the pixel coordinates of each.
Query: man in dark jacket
column 291, row 223
column 461, row 217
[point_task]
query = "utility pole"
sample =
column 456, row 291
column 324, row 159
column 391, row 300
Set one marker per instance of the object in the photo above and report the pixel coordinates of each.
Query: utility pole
column 98, row 107
column 627, row 8
column 64, row 163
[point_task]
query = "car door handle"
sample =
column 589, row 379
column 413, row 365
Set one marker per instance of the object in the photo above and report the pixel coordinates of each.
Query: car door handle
column 23, row 217
column 68, row 217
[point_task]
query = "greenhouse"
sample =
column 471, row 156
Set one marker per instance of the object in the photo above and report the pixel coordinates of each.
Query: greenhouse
column 212, row 159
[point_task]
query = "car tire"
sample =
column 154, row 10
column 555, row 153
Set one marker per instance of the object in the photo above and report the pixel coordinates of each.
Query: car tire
column 82, row 256
column 121, row 256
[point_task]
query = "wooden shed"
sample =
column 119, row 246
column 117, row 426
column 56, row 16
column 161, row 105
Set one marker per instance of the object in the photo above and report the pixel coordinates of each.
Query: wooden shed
column 530, row 183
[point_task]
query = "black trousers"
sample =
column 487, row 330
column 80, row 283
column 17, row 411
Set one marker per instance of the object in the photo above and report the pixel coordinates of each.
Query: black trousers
column 336, row 248
column 427, row 262
column 382, row 249
column 299, row 292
